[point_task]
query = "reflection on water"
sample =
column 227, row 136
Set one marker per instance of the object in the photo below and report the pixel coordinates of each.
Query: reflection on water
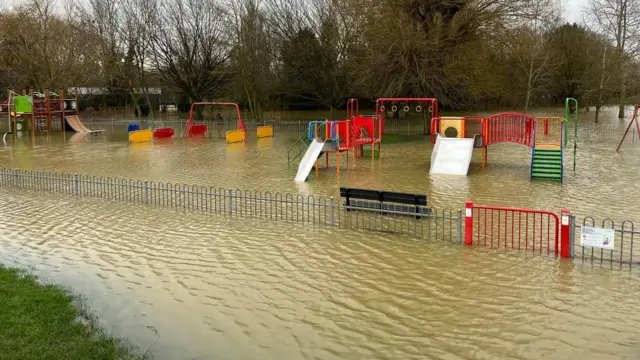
column 231, row 288
column 217, row 287
column 602, row 184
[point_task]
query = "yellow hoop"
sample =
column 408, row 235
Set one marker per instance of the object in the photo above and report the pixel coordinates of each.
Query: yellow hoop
column 406, row 108
column 418, row 108
column 394, row 108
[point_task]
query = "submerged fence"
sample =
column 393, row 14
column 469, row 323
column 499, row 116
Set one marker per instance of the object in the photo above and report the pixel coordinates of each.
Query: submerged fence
column 587, row 133
column 509, row 229
column 421, row 222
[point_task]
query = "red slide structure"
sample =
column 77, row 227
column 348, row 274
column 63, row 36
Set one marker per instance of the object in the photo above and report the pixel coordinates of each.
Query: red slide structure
column 512, row 127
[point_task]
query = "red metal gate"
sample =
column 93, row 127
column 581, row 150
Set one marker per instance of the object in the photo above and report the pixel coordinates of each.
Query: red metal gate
column 536, row 231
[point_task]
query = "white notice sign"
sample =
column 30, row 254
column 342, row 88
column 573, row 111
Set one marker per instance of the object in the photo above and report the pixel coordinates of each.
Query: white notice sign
column 597, row 237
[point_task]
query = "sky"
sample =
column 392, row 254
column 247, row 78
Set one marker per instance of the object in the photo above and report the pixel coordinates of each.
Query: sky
column 573, row 9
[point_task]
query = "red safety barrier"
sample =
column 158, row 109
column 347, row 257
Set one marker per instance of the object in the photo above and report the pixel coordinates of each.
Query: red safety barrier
column 508, row 127
column 353, row 108
column 362, row 130
column 536, row 231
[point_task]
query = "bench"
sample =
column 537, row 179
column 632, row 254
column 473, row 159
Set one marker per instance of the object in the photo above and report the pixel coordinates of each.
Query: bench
column 384, row 200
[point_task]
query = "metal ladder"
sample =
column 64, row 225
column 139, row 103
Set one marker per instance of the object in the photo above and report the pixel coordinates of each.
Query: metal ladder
column 298, row 148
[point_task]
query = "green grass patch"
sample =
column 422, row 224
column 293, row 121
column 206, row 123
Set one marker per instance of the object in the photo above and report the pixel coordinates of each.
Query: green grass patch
column 40, row 321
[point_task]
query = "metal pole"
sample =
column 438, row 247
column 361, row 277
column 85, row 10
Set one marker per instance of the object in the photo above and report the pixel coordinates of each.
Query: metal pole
column 146, row 191
column 332, row 211
column 459, row 225
column 230, row 201
column 75, row 181
column 572, row 236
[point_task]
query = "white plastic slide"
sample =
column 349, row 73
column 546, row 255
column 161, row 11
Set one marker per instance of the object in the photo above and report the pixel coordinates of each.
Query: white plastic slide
column 308, row 161
column 451, row 156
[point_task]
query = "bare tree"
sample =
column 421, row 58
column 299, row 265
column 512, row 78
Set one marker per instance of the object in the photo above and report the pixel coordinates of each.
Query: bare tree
column 619, row 21
column 253, row 55
column 191, row 47
column 137, row 28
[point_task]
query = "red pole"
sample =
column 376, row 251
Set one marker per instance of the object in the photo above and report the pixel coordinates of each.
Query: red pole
column 565, row 235
column 633, row 119
column 468, row 223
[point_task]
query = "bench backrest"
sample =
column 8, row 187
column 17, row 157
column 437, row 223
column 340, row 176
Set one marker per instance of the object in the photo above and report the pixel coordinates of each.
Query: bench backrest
column 384, row 196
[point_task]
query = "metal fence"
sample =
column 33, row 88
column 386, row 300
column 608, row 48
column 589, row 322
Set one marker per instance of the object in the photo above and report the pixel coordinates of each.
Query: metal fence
column 420, row 222
column 218, row 129
column 293, row 128
column 518, row 230
column 623, row 253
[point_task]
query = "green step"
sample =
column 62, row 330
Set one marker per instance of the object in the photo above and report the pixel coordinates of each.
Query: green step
column 547, row 164
column 545, row 177
column 551, row 172
column 553, row 164
column 546, row 174
column 547, row 168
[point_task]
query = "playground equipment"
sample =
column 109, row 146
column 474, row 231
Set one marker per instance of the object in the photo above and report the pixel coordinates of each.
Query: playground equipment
column 133, row 127
column 350, row 135
column 567, row 112
column 264, row 131
column 634, row 120
column 36, row 110
column 163, row 133
column 238, row 135
column 336, row 136
column 140, row 136
column 74, row 123
column 451, row 156
column 546, row 136
column 192, row 128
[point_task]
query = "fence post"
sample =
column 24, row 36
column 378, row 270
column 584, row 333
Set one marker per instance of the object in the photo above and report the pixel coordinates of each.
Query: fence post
column 146, row 191
column 468, row 223
column 459, row 226
column 565, row 234
column 332, row 211
column 572, row 231
column 75, row 183
column 230, row 201
column 15, row 177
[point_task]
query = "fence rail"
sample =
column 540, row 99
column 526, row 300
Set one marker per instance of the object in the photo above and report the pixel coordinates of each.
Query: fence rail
column 519, row 230
column 623, row 252
column 440, row 224
column 293, row 128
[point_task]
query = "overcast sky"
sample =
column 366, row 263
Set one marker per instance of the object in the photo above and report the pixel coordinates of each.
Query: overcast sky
column 573, row 9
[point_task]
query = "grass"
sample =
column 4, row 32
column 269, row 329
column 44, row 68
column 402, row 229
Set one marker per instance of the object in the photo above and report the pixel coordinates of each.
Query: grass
column 40, row 321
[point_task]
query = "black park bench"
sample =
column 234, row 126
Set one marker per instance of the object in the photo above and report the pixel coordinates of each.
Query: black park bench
column 389, row 201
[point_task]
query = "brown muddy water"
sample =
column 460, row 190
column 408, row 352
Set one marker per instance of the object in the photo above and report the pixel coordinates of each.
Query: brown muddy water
column 189, row 286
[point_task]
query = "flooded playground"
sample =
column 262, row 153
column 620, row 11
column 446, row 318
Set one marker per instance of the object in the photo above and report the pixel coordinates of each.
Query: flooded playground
column 213, row 287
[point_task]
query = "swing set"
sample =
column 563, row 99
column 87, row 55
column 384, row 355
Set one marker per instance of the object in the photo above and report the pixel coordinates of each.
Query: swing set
column 634, row 120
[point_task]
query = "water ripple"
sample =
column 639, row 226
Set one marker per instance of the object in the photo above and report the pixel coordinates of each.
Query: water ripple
column 244, row 288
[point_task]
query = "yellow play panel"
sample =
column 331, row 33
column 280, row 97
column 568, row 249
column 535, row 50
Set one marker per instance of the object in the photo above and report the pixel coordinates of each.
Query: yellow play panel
column 265, row 131
column 140, row 136
column 452, row 127
column 234, row 136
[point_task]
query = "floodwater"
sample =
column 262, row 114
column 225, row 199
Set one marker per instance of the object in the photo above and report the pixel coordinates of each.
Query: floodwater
column 189, row 286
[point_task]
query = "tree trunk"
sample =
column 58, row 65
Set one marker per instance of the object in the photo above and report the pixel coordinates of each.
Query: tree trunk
column 601, row 85
column 529, row 84
column 623, row 90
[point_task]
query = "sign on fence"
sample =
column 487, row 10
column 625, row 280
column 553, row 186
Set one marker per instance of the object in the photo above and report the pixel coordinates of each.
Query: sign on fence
column 597, row 237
